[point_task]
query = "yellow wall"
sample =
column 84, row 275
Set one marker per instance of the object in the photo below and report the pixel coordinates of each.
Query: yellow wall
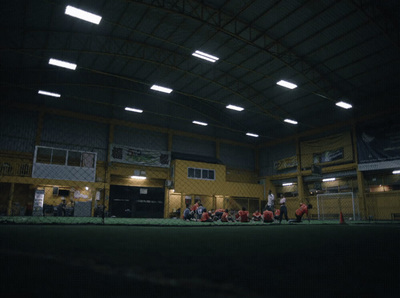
column 380, row 205
column 219, row 186
column 333, row 142
column 243, row 176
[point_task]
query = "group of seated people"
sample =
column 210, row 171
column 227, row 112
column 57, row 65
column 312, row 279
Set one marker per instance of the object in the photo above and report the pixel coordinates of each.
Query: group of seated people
column 198, row 212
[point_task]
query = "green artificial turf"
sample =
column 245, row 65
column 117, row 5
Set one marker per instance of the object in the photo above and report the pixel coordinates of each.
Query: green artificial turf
column 304, row 260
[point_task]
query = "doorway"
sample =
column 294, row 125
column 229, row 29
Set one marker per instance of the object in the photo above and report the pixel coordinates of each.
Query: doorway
column 136, row 202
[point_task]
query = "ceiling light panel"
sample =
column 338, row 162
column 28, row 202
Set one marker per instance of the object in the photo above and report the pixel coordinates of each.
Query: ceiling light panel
column 235, row 108
column 344, row 105
column 161, row 89
column 82, row 14
column 133, row 110
column 199, row 123
column 286, row 84
column 61, row 63
column 205, row 56
column 294, row 122
column 47, row 93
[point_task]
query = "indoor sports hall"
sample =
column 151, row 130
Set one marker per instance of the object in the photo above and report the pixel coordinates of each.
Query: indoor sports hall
column 200, row 148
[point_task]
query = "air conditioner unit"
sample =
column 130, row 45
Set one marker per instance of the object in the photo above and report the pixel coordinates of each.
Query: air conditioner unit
column 169, row 184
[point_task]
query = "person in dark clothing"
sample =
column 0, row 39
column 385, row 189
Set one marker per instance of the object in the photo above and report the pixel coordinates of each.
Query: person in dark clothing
column 283, row 209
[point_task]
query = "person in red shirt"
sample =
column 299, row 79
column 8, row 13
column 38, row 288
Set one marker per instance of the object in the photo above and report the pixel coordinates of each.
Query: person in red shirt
column 268, row 216
column 225, row 216
column 277, row 215
column 218, row 213
column 257, row 216
column 205, row 217
column 193, row 209
column 300, row 212
column 243, row 215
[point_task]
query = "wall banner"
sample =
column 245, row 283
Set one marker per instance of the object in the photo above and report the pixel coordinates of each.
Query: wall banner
column 139, row 156
column 328, row 156
column 379, row 142
column 286, row 163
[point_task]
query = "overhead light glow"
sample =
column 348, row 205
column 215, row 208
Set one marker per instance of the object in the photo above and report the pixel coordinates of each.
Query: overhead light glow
column 138, row 177
column 205, row 56
column 82, row 14
column 252, row 135
column 49, row 93
column 61, row 63
column 287, row 184
column 328, row 179
column 396, row 172
column 199, row 123
column 236, row 108
column 133, row 110
column 286, row 84
column 161, row 89
column 290, row 121
column 344, row 105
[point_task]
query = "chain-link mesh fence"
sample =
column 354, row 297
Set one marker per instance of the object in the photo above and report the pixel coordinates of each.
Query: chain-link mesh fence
column 63, row 168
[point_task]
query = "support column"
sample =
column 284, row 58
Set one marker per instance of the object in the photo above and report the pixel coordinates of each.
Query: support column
column 300, row 183
column 10, row 199
column 107, row 180
column 361, row 195
column 166, row 203
column 183, row 205
column 93, row 195
column 360, row 178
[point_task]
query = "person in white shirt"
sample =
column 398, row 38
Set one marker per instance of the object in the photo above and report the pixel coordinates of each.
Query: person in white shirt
column 271, row 202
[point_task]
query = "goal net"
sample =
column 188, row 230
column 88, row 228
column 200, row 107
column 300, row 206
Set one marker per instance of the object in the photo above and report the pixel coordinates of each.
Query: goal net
column 329, row 206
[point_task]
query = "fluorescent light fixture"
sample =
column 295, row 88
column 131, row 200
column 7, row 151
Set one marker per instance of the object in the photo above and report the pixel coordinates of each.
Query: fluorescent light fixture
column 328, row 179
column 138, row 177
column 61, row 63
column 161, row 89
column 83, row 15
column 205, row 56
column 236, row 108
column 396, row 172
column 344, row 105
column 49, row 93
column 290, row 121
column 252, row 135
column 286, row 84
column 287, row 184
column 199, row 123
column 133, row 110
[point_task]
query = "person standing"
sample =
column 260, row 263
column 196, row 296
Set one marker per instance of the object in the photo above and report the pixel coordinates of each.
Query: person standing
column 283, row 209
column 271, row 202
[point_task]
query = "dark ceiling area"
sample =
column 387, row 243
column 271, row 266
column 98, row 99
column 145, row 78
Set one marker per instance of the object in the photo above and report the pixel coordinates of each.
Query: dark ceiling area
column 332, row 50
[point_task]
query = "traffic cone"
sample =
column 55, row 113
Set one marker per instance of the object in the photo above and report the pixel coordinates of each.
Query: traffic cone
column 341, row 220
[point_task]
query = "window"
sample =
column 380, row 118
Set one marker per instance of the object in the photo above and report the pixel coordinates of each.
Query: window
column 204, row 174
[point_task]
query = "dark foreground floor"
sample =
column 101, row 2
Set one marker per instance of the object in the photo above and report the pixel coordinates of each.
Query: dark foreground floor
column 256, row 261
